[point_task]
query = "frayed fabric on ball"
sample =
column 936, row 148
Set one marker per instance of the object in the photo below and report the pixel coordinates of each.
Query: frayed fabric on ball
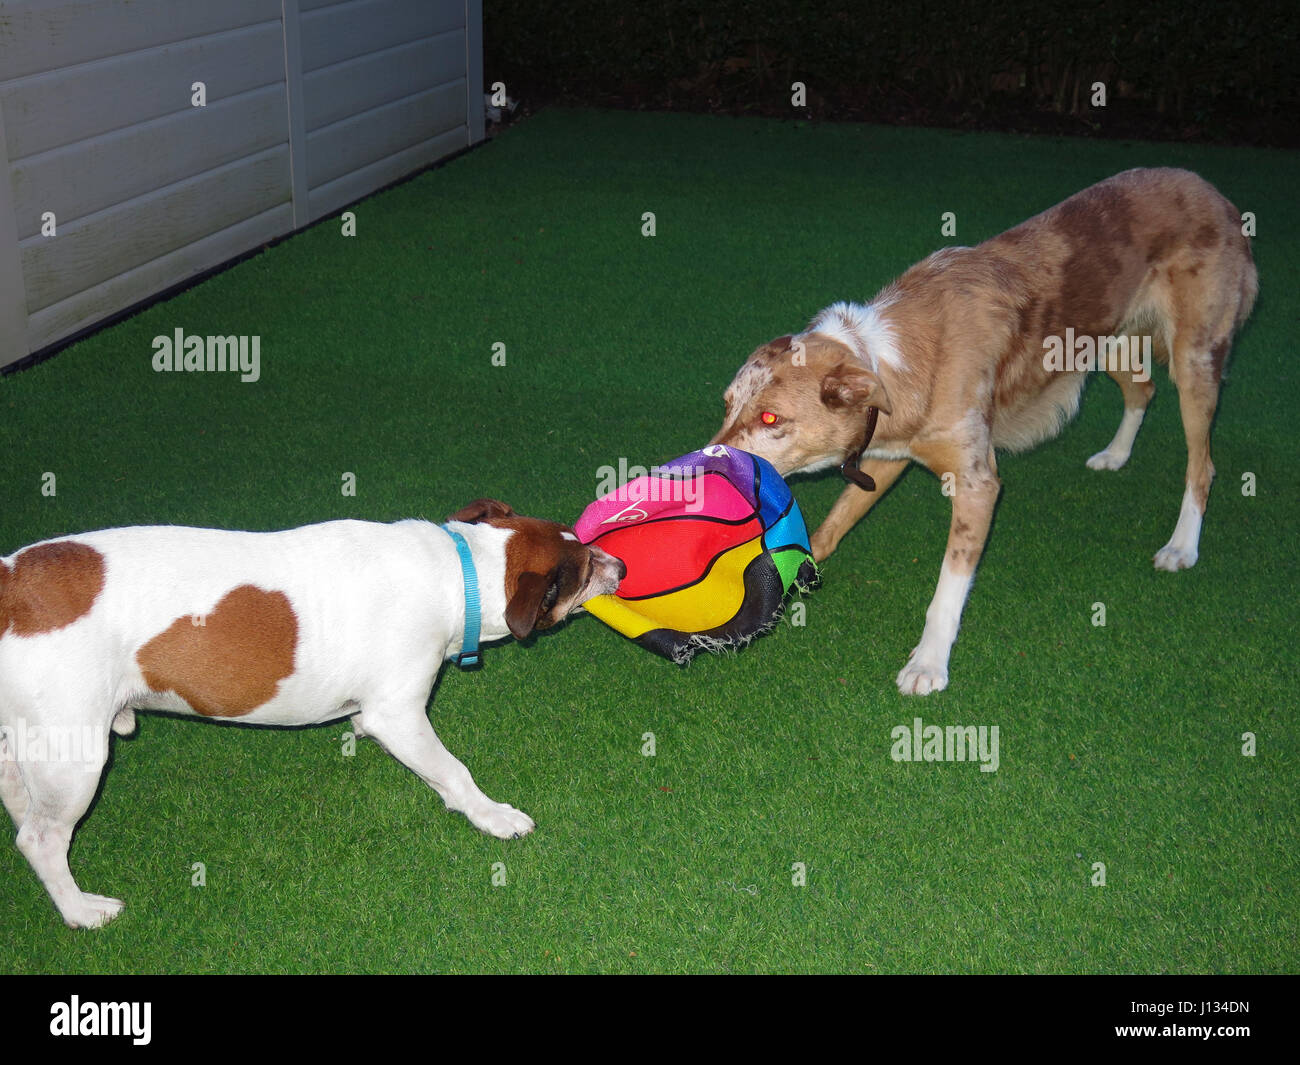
column 713, row 542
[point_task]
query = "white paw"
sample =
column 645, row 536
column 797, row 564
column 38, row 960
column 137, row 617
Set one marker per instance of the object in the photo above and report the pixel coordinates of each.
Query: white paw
column 92, row 911
column 501, row 820
column 1173, row 557
column 1107, row 460
column 920, row 677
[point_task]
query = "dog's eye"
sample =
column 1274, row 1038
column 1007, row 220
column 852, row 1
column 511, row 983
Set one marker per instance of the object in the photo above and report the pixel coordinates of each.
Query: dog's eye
column 768, row 418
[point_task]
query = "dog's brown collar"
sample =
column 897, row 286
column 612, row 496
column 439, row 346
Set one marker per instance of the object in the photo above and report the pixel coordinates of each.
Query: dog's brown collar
column 849, row 467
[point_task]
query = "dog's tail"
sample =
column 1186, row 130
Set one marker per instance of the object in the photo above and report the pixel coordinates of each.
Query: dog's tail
column 1249, row 290
column 5, row 575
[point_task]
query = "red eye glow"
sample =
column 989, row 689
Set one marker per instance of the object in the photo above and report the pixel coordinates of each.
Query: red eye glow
column 768, row 418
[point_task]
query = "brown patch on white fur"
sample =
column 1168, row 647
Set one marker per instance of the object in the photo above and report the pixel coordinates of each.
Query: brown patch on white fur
column 549, row 572
column 229, row 662
column 1147, row 252
column 50, row 586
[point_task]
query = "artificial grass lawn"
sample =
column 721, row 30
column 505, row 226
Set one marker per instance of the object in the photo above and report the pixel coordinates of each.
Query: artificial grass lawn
column 1118, row 744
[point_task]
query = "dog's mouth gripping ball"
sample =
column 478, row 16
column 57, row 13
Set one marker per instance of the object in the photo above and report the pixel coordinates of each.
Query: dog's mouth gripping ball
column 713, row 543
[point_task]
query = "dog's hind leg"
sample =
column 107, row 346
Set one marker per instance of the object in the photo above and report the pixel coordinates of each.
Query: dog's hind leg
column 61, row 791
column 1209, row 296
column 1205, row 322
column 1197, row 379
column 12, row 789
column 853, row 504
column 1137, row 394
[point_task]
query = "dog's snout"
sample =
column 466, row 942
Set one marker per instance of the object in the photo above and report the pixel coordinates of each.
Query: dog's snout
column 607, row 572
column 616, row 567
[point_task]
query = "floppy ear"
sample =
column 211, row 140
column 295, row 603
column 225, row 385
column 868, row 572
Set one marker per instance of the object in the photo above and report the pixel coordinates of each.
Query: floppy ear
column 481, row 510
column 854, row 387
column 525, row 606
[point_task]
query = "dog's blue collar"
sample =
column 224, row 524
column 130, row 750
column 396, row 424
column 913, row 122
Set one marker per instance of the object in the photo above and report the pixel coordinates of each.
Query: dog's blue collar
column 469, row 653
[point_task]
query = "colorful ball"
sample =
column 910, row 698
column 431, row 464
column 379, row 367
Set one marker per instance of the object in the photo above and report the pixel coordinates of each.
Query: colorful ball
column 713, row 543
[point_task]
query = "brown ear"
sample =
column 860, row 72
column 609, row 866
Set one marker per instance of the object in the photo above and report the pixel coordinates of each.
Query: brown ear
column 780, row 345
column 482, row 510
column 854, row 387
column 525, row 605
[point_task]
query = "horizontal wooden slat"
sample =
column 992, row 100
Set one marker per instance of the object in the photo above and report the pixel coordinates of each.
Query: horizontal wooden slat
column 126, row 289
column 94, row 174
column 42, row 35
column 344, row 31
column 345, row 89
column 353, row 186
column 95, row 248
column 364, row 139
column 64, row 106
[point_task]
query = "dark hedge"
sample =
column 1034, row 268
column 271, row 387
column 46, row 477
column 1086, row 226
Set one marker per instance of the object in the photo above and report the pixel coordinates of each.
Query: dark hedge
column 1196, row 69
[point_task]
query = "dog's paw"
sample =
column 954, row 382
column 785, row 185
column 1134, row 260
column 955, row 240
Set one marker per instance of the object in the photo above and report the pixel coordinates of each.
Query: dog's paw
column 823, row 546
column 501, row 820
column 92, row 911
column 1106, row 460
column 920, row 677
column 1173, row 557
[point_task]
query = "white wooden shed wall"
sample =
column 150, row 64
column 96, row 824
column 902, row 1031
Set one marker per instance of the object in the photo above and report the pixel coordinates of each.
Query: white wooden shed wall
column 311, row 104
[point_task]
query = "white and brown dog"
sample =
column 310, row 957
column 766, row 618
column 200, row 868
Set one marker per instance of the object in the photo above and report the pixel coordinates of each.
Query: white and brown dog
column 346, row 619
column 960, row 356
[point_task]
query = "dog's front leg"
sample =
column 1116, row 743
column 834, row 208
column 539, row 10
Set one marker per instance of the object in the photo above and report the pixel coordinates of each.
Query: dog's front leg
column 975, row 495
column 853, row 504
column 402, row 728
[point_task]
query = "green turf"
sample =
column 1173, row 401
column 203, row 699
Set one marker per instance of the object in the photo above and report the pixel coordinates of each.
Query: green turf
column 1119, row 744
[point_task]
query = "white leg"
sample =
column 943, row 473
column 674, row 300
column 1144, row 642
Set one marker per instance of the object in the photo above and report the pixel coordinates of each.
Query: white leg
column 1183, row 548
column 12, row 789
column 403, row 730
column 1119, row 449
column 61, row 793
column 927, row 670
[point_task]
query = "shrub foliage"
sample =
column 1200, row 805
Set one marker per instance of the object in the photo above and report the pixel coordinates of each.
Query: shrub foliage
column 1204, row 69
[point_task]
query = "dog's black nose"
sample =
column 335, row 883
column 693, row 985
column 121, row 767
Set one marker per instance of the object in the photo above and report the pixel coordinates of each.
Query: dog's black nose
column 622, row 568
